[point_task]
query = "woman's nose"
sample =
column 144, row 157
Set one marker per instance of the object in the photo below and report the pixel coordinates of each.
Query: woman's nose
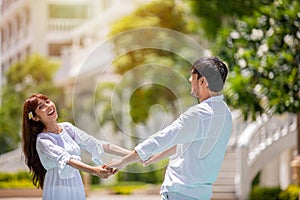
column 190, row 79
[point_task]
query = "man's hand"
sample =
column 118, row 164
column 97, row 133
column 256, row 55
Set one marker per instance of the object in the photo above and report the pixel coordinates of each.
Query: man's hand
column 116, row 164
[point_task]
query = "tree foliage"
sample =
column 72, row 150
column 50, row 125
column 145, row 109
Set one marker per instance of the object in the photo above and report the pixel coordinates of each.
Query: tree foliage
column 263, row 53
column 33, row 75
column 216, row 14
column 164, row 14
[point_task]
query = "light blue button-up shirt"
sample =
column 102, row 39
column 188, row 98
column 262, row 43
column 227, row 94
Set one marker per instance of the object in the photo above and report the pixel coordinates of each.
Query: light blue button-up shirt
column 201, row 135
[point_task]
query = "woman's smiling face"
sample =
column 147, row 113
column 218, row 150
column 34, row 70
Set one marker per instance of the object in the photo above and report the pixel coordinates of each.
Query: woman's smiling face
column 46, row 111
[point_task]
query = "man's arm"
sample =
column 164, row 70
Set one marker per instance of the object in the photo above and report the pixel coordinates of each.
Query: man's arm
column 133, row 157
column 115, row 150
column 123, row 162
column 158, row 157
column 183, row 130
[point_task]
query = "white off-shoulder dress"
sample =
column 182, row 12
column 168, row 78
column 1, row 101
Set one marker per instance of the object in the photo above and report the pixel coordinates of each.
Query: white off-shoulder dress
column 63, row 182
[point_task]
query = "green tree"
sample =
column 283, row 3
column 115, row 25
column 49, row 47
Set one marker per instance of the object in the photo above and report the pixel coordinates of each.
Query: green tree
column 215, row 14
column 263, row 54
column 33, row 75
column 164, row 14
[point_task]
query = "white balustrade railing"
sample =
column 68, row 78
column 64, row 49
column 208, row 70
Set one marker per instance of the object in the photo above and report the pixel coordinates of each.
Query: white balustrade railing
column 271, row 130
column 262, row 140
column 63, row 25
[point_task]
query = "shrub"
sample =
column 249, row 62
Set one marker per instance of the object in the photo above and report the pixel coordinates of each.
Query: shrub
column 265, row 193
column 291, row 193
column 125, row 189
column 22, row 175
column 17, row 184
column 21, row 179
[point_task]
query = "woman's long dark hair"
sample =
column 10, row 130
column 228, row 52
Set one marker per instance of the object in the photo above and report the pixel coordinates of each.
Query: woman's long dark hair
column 30, row 130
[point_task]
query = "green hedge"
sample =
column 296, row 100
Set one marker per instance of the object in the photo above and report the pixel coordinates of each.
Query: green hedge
column 291, row 193
column 264, row 193
column 274, row 193
column 21, row 179
column 22, row 175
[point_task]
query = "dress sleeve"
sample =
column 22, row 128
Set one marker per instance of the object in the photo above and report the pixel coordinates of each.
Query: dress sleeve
column 52, row 155
column 187, row 128
column 90, row 144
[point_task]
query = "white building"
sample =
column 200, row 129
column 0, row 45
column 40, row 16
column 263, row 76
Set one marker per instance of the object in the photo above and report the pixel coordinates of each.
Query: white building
column 48, row 27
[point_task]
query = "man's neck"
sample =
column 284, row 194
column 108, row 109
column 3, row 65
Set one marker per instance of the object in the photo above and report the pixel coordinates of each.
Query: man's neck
column 209, row 95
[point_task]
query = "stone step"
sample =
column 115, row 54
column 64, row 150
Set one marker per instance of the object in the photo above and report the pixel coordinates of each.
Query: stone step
column 227, row 166
column 226, row 174
column 224, row 196
column 224, row 181
column 224, row 187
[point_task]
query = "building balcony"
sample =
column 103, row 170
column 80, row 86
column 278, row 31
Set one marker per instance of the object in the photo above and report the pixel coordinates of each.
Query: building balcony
column 60, row 25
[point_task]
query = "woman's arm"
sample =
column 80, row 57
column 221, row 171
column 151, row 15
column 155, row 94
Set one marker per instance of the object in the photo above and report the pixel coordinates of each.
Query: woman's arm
column 115, row 150
column 100, row 171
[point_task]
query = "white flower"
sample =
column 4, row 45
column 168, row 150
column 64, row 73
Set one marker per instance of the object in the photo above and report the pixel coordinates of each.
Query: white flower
column 256, row 34
column 234, row 35
column 30, row 115
column 289, row 40
column 262, row 50
column 242, row 63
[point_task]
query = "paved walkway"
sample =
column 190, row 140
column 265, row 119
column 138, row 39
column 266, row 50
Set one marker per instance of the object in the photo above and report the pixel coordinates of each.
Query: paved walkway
column 100, row 195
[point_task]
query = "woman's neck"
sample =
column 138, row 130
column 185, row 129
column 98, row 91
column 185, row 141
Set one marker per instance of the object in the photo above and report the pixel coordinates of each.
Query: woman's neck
column 53, row 128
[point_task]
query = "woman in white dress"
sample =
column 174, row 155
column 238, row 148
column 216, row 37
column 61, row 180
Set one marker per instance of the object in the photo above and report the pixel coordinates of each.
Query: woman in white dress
column 52, row 151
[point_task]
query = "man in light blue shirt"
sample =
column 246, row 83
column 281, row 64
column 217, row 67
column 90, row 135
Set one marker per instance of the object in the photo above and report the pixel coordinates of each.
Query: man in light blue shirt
column 195, row 142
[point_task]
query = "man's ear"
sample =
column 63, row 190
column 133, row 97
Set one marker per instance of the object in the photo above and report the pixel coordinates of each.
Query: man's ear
column 204, row 81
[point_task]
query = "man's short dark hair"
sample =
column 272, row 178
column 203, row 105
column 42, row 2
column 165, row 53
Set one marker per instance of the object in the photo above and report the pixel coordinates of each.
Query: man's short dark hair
column 213, row 69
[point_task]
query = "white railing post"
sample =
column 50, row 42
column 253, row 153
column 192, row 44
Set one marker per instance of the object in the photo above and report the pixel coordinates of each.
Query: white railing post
column 242, row 177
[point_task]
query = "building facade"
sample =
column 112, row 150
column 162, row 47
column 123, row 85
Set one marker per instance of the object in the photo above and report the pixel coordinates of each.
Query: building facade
column 48, row 27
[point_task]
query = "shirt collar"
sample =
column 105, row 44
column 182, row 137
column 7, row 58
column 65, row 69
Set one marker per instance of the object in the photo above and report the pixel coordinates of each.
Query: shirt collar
column 218, row 98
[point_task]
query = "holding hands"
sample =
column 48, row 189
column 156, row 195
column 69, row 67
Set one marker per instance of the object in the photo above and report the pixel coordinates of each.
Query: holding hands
column 103, row 171
column 117, row 164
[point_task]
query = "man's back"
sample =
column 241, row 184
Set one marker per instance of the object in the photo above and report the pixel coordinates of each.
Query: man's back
column 197, row 163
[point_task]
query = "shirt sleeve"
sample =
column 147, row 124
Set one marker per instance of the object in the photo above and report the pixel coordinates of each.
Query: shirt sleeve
column 52, row 155
column 90, row 144
column 187, row 128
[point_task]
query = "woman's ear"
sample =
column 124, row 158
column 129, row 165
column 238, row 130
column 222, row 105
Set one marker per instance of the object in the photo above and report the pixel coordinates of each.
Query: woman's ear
column 36, row 118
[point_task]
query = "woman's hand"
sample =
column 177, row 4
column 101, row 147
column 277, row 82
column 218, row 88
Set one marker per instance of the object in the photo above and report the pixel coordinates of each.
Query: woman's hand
column 103, row 171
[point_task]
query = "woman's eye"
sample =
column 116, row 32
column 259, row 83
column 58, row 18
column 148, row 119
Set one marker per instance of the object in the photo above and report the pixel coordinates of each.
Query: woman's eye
column 41, row 106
